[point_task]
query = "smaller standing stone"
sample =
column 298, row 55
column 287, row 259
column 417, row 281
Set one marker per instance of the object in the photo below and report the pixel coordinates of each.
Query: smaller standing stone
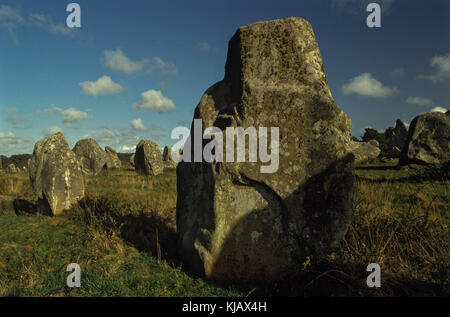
column 167, row 154
column 132, row 159
column 167, row 158
column 91, row 156
column 396, row 139
column 112, row 159
column 428, row 140
column 148, row 159
column 365, row 151
column 12, row 169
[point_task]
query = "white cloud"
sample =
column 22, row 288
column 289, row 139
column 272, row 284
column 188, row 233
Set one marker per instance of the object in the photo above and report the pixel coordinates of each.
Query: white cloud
column 121, row 139
column 73, row 115
column 127, row 149
column 366, row 85
column 442, row 66
column 9, row 15
column 420, row 101
column 68, row 116
column 10, row 144
column 7, row 137
column 102, row 86
column 153, row 100
column 157, row 64
column 138, row 125
column 398, row 72
column 11, row 18
column 52, row 130
column 16, row 120
column 438, row 109
column 118, row 61
column 46, row 22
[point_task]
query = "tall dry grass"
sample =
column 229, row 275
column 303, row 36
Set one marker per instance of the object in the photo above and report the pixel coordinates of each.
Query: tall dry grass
column 15, row 184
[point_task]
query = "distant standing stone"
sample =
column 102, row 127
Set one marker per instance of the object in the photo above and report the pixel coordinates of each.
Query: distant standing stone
column 167, row 154
column 396, row 139
column 428, row 140
column 365, row 151
column 112, row 159
column 12, row 169
column 91, row 156
column 167, row 158
column 148, row 159
column 55, row 174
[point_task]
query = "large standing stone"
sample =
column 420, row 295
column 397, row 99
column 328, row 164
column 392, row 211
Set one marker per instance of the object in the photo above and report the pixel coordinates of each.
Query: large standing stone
column 112, row 159
column 396, row 138
column 148, row 158
column 365, row 151
column 91, row 156
column 237, row 224
column 428, row 139
column 55, row 174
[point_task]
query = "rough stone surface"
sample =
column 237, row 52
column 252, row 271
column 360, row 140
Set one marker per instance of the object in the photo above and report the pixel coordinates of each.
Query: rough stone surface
column 428, row 140
column 237, row 224
column 12, row 169
column 91, row 156
column 55, row 174
column 112, row 159
column 365, row 151
column 148, row 159
column 396, row 139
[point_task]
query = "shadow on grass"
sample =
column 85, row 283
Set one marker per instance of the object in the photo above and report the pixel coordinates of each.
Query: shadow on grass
column 426, row 173
column 323, row 279
column 145, row 230
column 24, row 207
column 378, row 168
column 150, row 233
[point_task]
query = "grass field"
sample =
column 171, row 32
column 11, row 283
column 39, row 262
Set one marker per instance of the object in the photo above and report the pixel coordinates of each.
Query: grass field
column 123, row 235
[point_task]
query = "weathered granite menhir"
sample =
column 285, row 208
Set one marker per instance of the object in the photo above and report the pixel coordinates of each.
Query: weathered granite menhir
column 237, row 224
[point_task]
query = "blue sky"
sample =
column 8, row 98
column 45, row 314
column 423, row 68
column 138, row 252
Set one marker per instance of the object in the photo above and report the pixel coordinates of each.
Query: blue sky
column 137, row 69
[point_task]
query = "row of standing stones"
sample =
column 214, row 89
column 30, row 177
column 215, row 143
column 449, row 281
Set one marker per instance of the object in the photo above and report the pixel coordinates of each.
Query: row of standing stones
column 57, row 172
column 234, row 223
